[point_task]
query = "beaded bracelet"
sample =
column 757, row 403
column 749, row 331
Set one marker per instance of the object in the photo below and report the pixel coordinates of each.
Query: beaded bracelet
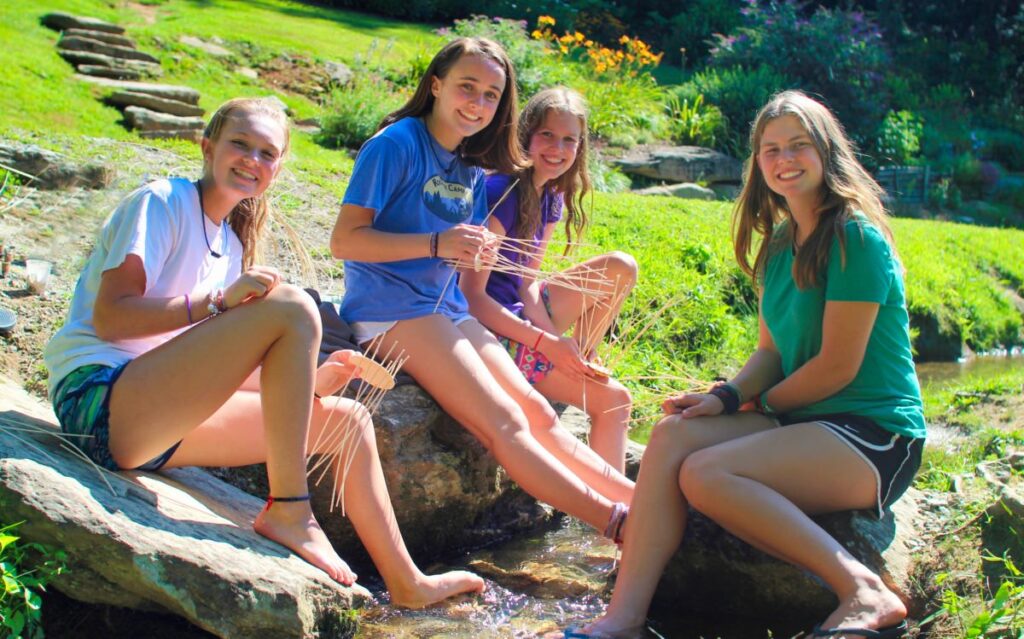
column 433, row 244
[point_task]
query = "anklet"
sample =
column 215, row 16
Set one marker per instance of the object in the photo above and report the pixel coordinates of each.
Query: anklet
column 271, row 500
column 614, row 528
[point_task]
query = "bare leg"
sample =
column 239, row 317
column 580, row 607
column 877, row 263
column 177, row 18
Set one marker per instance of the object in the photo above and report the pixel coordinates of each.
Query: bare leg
column 544, row 424
column 614, row 274
column 657, row 518
column 607, row 403
column 165, row 395
column 448, row 367
column 761, row 489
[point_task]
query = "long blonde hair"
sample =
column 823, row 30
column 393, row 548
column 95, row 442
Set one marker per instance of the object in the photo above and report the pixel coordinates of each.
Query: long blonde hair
column 249, row 217
column 848, row 189
column 573, row 185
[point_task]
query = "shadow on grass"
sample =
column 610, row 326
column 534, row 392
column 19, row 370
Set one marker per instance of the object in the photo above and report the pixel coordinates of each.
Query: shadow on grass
column 316, row 11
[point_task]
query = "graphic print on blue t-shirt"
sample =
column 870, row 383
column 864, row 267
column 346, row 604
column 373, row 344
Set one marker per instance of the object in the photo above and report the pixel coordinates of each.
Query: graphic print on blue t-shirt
column 450, row 201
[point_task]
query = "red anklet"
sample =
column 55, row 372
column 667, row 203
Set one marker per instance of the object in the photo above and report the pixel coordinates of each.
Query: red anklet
column 271, row 500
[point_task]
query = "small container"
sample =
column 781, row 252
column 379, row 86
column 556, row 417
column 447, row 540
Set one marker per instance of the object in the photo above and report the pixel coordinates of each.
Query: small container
column 37, row 272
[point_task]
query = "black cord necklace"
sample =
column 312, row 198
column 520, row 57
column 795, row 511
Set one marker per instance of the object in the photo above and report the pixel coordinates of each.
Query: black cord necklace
column 433, row 149
column 202, row 222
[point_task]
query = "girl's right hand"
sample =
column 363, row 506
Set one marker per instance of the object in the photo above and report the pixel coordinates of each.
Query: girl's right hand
column 462, row 242
column 257, row 281
column 564, row 353
column 689, row 405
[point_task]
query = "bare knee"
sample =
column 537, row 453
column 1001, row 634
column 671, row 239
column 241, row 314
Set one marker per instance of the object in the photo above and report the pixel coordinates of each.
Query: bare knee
column 293, row 309
column 613, row 397
column 622, row 267
column 697, row 477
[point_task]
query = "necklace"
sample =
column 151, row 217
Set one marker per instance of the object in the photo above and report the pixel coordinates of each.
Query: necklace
column 202, row 222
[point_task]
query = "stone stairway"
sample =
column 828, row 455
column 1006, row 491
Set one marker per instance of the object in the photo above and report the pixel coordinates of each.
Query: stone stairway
column 103, row 55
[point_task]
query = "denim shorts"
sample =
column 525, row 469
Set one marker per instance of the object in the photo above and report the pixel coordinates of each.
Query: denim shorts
column 894, row 458
column 82, row 403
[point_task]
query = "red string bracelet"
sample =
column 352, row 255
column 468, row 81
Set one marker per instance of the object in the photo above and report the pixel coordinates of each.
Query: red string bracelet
column 540, row 336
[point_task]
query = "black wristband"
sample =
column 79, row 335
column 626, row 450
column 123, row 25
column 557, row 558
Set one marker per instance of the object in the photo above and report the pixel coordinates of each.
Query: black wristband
column 730, row 399
column 433, row 244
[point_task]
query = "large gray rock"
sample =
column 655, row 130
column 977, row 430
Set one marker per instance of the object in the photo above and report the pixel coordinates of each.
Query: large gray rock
column 59, row 21
column 168, row 91
column 448, row 492
column 102, row 36
column 98, row 59
column 51, row 171
column 153, row 103
column 339, row 73
column 180, row 542
column 78, row 43
column 147, row 120
column 681, row 164
column 686, row 191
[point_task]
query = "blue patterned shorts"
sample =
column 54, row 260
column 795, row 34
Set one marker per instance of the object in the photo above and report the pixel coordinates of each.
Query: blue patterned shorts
column 532, row 364
column 82, row 403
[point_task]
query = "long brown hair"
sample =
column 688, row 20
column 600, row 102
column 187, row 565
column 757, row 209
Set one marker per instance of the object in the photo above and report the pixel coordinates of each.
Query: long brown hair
column 249, row 217
column 496, row 147
column 847, row 186
column 573, row 185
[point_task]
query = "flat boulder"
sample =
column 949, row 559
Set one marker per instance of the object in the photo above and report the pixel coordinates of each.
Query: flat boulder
column 59, row 21
column 102, row 36
column 78, row 43
column 209, row 47
column 52, row 171
column 118, row 73
column 98, row 59
column 168, row 91
column 153, row 103
column 148, row 120
column 178, row 542
column 681, row 164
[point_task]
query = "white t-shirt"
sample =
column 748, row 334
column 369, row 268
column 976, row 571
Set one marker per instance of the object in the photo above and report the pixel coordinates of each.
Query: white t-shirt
column 161, row 224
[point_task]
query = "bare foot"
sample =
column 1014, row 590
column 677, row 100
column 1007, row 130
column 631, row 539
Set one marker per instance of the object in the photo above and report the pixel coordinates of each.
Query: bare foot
column 871, row 606
column 608, row 627
column 430, row 589
column 293, row 526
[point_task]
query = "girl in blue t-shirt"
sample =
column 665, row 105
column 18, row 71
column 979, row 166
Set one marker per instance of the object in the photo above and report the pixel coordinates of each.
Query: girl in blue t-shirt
column 415, row 201
column 836, row 420
column 179, row 350
column 529, row 316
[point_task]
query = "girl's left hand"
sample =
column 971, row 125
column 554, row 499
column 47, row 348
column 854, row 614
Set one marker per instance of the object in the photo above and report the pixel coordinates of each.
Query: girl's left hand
column 255, row 282
column 335, row 373
column 690, row 405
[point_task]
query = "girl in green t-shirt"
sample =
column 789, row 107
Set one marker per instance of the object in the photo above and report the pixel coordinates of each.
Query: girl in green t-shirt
column 833, row 418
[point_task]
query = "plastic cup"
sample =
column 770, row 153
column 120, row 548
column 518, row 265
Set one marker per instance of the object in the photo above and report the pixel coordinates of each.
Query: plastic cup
column 37, row 272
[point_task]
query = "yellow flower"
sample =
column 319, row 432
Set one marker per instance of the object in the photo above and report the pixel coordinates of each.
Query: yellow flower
column 624, row 39
column 563, row 49
column 588, row 43
column 537, row 35
column 579, row 37
column 545, row 20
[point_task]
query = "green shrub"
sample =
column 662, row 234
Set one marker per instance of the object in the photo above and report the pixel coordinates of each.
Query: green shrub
column 624, row 112
column 351, row 114
column 605, row 178
column 738, row 92
column 899, row 141
column 1003, row 146
column 25, row 569
column 694, row 122
column 533, row 71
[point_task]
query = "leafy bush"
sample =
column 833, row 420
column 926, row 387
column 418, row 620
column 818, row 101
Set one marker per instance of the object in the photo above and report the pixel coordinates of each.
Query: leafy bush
column 605, row 178
column 1003, row 146
column 695, row 122
column 351, row 114
column 739, row 93
column 834, row 53
column 899, row 141
column 25, row 570
column 528, row 55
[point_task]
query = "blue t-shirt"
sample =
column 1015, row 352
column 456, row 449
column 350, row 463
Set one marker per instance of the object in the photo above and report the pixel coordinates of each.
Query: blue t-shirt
column 504, row 287
column 885, row 388
column 413, row 185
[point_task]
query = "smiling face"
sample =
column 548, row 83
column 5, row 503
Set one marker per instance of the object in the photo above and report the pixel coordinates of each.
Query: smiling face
column 554, row 145
column 465, row 99
column 790, row 162
column 246, row 155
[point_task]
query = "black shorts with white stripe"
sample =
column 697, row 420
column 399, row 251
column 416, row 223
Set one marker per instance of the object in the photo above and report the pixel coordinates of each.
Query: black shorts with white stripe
column 894, row 458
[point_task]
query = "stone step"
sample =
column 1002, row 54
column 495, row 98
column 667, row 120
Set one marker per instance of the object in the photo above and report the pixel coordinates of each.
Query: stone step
column 102, row 36
column 192, row 135
column 147, row 120
column 98, row 59
column 78, row 43
column 168, row 91
column 59, row 21
column 118, row 73
column 153, row 103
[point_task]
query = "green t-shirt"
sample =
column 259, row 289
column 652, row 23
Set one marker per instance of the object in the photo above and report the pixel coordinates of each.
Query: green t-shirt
column 886, row 387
